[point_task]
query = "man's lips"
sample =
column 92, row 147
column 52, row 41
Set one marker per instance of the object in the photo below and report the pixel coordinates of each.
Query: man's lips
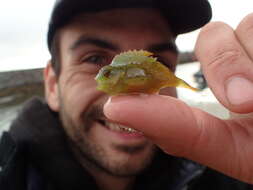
column 118, row 127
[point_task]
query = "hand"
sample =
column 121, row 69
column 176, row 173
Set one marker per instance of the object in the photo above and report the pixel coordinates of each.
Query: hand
column 180, row 130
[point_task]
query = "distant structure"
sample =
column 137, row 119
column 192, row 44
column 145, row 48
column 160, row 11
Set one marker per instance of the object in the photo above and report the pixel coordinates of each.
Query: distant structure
column 187, row 57
column 200, row 80
column 17, row 86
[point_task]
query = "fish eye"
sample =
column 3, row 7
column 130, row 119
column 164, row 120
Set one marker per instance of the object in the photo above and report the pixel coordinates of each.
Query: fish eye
column 106, row 73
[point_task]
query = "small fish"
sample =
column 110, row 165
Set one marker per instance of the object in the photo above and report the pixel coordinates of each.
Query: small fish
column 136, row 72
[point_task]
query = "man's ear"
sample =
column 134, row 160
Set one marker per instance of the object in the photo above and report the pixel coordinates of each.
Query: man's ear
column 51, row 87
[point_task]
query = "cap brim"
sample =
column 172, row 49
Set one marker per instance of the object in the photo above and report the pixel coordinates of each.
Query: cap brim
column 182, row 15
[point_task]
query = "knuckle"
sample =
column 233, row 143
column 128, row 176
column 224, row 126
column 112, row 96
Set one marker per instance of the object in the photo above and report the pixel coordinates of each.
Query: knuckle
column 213, row 26
column 216, row 42
column 224, row 57
column 248, row 20
column 247, row 24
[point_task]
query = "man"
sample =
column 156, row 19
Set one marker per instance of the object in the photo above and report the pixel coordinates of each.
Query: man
column 67, row 142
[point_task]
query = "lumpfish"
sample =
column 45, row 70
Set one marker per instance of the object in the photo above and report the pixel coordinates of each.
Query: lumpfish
column 136, row 72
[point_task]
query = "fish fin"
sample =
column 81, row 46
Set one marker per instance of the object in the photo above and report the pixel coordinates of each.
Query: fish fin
column 136, row 53
column 133, row 56
column 142, row 52
column 182, row 83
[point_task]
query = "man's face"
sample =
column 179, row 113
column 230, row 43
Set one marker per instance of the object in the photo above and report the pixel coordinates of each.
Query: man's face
column 87, row 44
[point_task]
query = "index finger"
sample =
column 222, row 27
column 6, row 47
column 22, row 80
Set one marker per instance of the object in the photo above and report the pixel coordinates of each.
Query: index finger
column 244, row 33
column 227, row 67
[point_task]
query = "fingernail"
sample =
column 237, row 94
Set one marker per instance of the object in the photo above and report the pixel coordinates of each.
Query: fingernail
column 108, row 101
column 107, row 111
column 239, row 90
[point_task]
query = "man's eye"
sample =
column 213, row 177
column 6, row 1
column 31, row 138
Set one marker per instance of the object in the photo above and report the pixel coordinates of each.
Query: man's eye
column 96, row 59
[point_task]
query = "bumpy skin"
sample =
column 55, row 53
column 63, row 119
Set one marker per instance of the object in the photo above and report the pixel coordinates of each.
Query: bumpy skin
column 136, row 72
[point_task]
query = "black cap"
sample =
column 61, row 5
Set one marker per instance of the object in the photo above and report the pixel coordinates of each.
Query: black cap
column 183, row 15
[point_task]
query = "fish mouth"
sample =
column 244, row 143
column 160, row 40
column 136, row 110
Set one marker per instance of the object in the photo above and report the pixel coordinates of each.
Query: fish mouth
column 117, row 127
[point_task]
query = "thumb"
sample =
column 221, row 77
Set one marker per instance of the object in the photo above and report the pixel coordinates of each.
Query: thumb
column 167, row 121
column 184, row 131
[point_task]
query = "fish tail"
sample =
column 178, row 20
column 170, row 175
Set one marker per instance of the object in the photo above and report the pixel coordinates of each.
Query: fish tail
column 182, row 83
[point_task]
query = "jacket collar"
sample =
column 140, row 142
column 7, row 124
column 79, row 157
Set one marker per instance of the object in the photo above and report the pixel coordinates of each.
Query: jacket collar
column 38, row 132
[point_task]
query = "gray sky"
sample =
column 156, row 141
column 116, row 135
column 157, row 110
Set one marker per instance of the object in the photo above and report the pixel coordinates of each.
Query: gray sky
column 23, row 33
column 24, row 26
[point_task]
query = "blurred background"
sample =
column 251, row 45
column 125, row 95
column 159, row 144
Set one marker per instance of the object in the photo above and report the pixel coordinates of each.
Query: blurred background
column 23, row 52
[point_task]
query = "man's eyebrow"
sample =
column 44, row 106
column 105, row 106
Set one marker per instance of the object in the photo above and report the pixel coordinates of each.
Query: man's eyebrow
column 166, row 46
column 84, row 40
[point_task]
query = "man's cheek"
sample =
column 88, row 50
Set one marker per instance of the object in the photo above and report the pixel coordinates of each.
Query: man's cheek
column 79, row 102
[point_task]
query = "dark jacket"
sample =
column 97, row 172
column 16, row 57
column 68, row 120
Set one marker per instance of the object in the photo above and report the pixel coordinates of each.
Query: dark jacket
column 34, row 156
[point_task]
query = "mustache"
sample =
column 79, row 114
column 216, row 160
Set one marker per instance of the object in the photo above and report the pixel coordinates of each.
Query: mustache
column 94, row 113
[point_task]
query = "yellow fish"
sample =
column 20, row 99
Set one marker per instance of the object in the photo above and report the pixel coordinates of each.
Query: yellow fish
column 136, row 72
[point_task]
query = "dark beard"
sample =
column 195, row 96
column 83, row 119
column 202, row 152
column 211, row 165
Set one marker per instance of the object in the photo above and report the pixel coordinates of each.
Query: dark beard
column 88, row 117
column 93, row 156
column 96, row 163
